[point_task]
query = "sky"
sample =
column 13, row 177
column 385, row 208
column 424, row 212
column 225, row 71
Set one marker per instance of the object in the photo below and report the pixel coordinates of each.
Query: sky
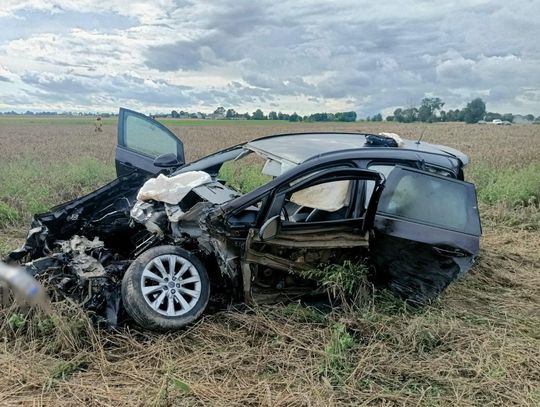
column 303, row 56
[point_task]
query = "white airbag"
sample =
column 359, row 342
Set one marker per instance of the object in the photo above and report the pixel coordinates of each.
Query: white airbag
column 172, row 189
column 329, row 196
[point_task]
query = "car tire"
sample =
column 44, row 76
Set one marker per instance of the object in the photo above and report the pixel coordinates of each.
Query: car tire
column 165, row 289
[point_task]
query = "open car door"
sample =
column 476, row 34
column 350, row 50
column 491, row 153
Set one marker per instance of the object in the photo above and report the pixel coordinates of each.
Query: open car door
column 141, row 140
column 426, row 232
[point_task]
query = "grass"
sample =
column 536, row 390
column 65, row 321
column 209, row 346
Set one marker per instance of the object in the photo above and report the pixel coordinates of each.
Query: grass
column 515, row 187
column 479, row 344
column 243, row 177
column 24, row 191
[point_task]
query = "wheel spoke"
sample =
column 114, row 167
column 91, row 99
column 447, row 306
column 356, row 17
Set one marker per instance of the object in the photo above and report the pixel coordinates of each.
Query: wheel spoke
column 159, row 265
column 151, row 289
column 159, row 300
column 152, row 276
column 170, row 305
column 182, row 270
column 182, row 301
column 172, row 265
column 193, row 279
column 187, row 291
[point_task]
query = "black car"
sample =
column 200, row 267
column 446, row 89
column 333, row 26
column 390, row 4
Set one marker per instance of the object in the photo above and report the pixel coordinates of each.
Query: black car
column 159, row 248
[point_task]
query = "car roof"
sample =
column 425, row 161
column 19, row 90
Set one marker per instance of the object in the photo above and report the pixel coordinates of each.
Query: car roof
column 296, row 148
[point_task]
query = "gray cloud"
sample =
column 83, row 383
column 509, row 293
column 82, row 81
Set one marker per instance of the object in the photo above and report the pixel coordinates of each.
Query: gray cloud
column 302, row 55
column 120, row 88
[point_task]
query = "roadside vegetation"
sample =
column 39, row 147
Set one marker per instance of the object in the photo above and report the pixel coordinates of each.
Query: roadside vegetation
column 479, row 344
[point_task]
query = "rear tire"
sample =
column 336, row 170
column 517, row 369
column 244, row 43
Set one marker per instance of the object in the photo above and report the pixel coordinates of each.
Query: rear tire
column 165, row 288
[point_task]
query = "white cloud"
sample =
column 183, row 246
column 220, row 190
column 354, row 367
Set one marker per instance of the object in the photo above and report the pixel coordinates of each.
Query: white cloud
column 303, row 55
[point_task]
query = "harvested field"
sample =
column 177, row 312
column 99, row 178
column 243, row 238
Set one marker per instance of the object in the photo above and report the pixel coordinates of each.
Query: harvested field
column 478, row 345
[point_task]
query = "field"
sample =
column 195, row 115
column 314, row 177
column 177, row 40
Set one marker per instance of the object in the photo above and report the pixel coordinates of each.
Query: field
column 478, row 345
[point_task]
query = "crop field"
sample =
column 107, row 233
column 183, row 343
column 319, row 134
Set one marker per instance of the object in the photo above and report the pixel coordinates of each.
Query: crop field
column 479, row 344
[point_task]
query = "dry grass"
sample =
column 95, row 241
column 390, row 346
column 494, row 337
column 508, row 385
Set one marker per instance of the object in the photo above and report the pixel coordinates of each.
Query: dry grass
column 478, row 345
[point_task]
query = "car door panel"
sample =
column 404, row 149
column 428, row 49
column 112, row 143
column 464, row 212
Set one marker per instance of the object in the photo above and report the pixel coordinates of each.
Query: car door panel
column 426, row 233
column 140, row 141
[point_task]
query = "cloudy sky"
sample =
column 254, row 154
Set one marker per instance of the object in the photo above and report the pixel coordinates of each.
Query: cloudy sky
column 304, row 56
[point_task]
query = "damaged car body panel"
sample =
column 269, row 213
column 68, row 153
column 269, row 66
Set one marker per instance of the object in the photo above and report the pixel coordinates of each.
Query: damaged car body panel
column 157, row 247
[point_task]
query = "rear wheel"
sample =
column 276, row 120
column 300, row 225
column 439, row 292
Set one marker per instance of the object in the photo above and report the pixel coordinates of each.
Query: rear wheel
column 165, row 288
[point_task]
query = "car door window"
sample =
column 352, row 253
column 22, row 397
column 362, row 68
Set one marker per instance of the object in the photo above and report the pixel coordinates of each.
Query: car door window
column 430, row 199
column 385, row 170
column 146, row 138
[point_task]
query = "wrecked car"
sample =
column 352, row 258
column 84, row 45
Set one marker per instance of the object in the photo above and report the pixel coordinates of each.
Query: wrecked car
column 159, row 248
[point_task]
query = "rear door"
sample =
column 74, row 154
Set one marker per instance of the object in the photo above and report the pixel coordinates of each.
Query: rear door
column 140, row 141
column 426, row 232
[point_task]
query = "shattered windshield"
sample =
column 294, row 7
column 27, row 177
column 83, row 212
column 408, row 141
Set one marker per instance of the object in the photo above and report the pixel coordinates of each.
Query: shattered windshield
column 246, row 172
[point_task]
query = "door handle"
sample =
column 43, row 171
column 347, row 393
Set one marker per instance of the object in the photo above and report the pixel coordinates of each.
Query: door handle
column 450, row 252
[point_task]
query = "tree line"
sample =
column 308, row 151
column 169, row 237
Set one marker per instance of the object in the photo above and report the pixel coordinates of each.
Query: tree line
column 430, row 110
column 231, row 114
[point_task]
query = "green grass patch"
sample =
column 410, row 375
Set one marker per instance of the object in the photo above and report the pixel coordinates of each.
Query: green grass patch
column 337, row 362
column 244, row 178
column 27, row 186
column 510, row 186
column 348, row 280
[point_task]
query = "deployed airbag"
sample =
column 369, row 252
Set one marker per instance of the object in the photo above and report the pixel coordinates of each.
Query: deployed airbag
column 172, row 189
column 330, row 196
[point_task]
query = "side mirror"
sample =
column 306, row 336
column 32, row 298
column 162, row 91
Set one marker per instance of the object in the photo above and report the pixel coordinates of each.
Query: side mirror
column 167, row 161
column 270, row 228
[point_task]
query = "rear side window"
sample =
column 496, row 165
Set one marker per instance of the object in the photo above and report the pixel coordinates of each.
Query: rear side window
column 432, row 200
column 384, row 169
column 144, row 137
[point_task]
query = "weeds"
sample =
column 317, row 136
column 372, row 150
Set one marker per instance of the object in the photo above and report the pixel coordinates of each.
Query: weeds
column 28, row 188
column 514, row 187
column 347, row 281
column 337, row 364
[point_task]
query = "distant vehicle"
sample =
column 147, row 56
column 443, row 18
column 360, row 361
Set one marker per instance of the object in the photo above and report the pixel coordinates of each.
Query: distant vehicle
column 402, row 206
column 500, row 122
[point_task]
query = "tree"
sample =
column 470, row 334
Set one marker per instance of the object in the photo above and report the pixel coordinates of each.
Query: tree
column 475, row 111
column 442, row 116
column 272, row 116
column 398, row 114
column 390, row 118
column 220, row 111
column 410, row 115
column 529, row 117
column 258, row 115
column 509, row 117
column 377, row 118
column 345, row 116
column 429, row 108
column 490, row 116
column 231, row 114
column 294, row 117
column 174, row 114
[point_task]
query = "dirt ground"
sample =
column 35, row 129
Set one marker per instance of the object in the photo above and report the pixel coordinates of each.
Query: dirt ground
column 478, row 345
